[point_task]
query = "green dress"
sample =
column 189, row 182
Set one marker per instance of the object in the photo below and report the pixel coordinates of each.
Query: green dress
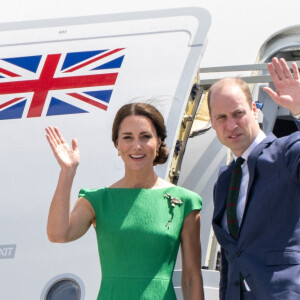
column 138, row 234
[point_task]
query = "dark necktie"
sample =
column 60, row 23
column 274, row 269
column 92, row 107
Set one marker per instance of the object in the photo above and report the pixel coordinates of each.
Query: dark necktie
column 232, row 198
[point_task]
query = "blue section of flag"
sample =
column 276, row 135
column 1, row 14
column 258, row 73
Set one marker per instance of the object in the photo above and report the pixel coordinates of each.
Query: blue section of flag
column 29, row 63
column 58, row 107
column 13, row 112
column 77, row 57
column 101, row 95
column 116, row 63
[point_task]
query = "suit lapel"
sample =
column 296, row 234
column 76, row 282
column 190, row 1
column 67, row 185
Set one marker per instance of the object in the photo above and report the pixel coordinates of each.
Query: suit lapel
column 252, row 159
column 223, row 186
column 222, row 190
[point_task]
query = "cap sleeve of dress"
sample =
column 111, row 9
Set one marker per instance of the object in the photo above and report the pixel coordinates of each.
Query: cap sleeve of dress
column 192, row 202
column 87, row 194
column 94, row 196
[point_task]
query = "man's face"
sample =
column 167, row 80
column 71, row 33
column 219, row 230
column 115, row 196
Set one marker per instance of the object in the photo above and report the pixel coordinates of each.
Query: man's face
column 234, row 121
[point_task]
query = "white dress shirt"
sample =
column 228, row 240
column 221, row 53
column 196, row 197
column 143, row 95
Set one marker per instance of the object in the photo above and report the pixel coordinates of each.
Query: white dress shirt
column 244, row 183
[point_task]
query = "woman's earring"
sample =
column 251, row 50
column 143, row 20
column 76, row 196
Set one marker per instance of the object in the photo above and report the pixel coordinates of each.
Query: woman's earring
column 157, row 153
column 119, row 153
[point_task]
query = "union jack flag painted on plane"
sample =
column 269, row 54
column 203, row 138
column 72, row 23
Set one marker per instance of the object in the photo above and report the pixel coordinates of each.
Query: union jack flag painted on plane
column 57, row 84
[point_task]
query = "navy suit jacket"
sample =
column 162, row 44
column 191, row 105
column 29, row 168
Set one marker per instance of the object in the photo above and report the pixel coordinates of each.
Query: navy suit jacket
column 267, row 249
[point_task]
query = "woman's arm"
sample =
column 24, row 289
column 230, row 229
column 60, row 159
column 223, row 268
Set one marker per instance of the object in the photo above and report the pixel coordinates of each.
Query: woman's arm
column 64, row 226
column 191, row 281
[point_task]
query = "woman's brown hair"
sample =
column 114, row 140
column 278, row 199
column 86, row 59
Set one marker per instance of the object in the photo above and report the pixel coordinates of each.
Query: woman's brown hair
column 149, row 111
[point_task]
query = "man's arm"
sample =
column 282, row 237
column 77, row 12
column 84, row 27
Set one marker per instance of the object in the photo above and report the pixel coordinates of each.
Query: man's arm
column 287, row 94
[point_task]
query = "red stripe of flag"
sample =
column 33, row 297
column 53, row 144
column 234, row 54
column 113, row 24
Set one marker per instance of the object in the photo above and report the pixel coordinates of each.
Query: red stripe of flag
column 43, row 85
column 82, row 81
column 8, row 73
column 10, row 102
column 88, row 100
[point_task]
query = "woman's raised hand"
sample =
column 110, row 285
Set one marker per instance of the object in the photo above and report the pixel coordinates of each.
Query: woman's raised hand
column 68, row 158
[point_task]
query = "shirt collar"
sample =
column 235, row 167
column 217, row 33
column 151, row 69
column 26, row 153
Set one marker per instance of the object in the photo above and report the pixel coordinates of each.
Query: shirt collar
column 261, row 136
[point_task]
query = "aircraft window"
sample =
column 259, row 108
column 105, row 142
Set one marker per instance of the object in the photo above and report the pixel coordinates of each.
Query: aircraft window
column 64, row 289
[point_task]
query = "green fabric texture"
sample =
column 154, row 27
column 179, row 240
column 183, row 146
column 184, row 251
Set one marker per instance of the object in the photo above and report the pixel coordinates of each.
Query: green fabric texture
column 233, row 196
column 136, row 247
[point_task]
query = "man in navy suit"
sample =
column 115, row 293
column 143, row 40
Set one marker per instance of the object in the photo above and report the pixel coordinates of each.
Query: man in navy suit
column 262, row 261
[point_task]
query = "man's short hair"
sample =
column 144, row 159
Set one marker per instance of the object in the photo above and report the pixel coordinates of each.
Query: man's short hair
column 233, row 81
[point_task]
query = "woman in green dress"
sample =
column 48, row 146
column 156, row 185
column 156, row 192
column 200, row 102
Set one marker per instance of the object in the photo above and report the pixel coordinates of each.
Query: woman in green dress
column 139, row 220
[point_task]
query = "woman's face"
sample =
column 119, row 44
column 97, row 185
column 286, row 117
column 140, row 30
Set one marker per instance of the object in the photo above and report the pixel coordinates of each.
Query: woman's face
column 137, row 143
